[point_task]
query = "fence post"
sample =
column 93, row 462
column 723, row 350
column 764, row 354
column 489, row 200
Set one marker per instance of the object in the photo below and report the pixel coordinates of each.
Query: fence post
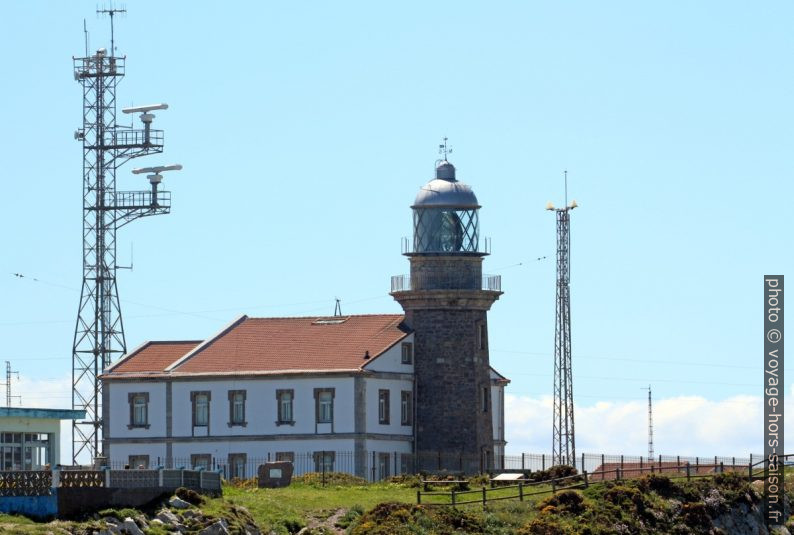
column 484, row 498
column 523, row 463
column 418, row 497
column 453, row 497
column 582, row 461
column 542, row 461
column 553, row 487
column 585, row 478
column 107, row 477
column 621, row 461
column 722, row 467
column 521, row 492
column 617, row 474
column 160, row 476
column 687, row 470
column 322, row 462
column 750, row 470
column 603, row 468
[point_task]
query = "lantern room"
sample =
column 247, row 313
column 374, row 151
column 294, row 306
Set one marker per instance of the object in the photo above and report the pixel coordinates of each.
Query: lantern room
column 446, row 219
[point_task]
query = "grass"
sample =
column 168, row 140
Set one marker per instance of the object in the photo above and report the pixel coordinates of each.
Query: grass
column 283, row 509
column 389, row 508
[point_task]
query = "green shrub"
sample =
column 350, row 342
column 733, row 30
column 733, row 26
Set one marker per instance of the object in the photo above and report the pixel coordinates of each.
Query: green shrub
column 567, row 501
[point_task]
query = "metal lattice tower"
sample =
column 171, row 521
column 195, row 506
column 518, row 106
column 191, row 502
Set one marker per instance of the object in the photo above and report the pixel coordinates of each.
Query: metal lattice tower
column 564, row 445
column 650, row 425
column 9, row 374
column 99, row 332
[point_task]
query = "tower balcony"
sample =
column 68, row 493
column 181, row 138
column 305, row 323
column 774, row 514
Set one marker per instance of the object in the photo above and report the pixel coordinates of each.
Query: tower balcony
column 444, row 281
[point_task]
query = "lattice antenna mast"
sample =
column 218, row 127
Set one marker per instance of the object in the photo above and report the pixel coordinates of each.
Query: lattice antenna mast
column 338, row 307
column 563, row 433
column 99, row 331
column 10, row 373
column 650, row 424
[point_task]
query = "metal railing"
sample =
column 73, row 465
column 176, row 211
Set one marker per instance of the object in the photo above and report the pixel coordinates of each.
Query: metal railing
column 405, row 283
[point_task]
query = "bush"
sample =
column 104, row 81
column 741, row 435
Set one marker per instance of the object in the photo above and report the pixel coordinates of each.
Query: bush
column 189, row 495
column 543, row 525
column 352, row 514
column 661, row 485
column 567, row 501
column 555, row 472
column 331, row 478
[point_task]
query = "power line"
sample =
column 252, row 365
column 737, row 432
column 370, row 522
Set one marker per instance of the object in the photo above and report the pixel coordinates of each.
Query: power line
column 639, row 361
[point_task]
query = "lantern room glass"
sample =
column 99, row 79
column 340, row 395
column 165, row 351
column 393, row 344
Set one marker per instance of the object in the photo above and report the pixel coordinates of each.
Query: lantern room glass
column 446, row 230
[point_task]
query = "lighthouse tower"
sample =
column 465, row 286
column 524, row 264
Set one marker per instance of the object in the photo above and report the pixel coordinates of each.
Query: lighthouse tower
column 446, row 300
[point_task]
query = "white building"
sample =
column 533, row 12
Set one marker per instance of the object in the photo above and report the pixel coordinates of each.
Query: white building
column 333, row 393
column 30, row 439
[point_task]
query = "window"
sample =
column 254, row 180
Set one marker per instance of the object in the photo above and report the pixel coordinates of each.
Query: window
column 139, row 462
column 237, row 465
column 383, row 406
column 284, row 406
column 139, row 409
column 324, row 399
column 201, row 408
column 285, row 456
column 324, row 461
column 237, row 408
column 408, row 353
column 406, row 407
column 482, row 336
column 485, row 398
column 201, row 460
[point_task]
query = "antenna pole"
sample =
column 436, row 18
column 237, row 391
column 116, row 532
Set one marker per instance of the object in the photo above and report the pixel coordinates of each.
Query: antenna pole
column 650, row 424
column 563, row 429
column 566, row 187
column 7, row 384
column 111, row 11
column 99, row 330
column 338, row 307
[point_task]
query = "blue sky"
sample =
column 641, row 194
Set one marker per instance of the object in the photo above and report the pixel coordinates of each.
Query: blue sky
column 306, row 129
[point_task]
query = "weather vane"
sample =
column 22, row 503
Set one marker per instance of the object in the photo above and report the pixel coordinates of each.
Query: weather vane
column 443, row 149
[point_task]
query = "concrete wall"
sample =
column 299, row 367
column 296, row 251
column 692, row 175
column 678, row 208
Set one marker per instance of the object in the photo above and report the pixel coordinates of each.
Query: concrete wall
column 391, row 360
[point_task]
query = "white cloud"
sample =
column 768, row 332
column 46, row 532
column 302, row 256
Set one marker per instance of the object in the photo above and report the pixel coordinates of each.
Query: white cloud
column 685, row 425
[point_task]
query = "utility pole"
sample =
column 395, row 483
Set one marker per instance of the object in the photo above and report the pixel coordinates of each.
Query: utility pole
column 563, row 439
column 7, row 384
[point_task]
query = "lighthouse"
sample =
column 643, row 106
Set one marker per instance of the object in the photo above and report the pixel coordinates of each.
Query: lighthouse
column 446, row 300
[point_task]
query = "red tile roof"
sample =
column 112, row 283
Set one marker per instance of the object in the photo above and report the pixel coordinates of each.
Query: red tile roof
column 153, row 357
column 272, row 345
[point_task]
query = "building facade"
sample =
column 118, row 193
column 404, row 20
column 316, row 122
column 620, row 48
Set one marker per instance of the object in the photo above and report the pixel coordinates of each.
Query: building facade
column 30, row 439
column 372, row 395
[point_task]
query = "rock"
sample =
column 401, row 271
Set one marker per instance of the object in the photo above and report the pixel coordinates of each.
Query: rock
column 157, row 522
column 130, row 527
column 167, row 517
column 191, row 514
column 218, row 528
column 111, row 527
column 178, row 503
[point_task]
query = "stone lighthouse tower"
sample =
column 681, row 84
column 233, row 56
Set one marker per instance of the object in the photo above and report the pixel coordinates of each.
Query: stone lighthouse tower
column 446, row 300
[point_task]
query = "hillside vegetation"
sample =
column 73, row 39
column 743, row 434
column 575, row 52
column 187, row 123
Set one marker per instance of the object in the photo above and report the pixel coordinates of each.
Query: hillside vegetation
column 724, row 504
